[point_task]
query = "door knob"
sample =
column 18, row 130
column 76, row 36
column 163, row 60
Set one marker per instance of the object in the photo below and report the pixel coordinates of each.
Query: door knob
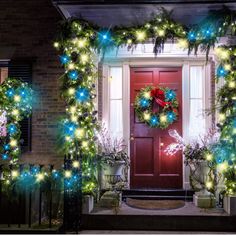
column 161, row 145
column 131, row 138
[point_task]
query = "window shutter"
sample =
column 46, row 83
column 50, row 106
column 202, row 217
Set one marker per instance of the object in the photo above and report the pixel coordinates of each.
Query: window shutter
column 23, row 71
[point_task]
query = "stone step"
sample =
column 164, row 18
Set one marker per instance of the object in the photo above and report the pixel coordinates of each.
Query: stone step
column 161, row 194
column 157, row 197
column 160, row 222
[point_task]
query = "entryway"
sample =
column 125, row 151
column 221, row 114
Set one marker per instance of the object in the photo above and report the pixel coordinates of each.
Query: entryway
column 150, row 166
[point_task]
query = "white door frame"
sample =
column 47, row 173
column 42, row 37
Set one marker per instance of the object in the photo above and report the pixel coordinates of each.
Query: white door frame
column 136, row 61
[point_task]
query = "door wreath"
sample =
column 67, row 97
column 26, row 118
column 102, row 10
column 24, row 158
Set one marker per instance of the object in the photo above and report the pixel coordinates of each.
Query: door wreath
column 156, row 106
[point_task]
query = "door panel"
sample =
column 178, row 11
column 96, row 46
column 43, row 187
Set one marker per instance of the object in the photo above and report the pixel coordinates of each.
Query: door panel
column 150, row 166
column 144, row 163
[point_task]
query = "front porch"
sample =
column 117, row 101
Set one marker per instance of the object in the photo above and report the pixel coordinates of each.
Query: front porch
column 167, row 158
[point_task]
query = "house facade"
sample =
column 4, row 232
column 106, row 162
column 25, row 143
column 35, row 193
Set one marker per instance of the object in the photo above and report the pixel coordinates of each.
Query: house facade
column 116, row 85
column 28, row 30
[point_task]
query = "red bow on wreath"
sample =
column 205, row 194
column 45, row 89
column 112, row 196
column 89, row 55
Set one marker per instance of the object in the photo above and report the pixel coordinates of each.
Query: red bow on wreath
column 159, row 96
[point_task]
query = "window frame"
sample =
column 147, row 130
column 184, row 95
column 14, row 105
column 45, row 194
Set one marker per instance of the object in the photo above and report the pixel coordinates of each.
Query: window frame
column 106, row 107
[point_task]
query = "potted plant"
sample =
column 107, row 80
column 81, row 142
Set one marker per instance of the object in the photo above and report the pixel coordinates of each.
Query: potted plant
column 114, row 168
column 203, row 176
column 113, row 159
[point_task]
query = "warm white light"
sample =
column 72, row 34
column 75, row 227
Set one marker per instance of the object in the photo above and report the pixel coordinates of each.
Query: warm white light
column 13, row 143
column 15, row 112
column 209, row 157
column 79, row 133
column 71, row 91
column 223, row 166
column 84, row 58
column 73, row 118
column 141, row 35
column 163, row 118
column 223, row 54
column 76, row 164
column 68, row 173
column 147, row 95
column 129, row 41
column 209, row 184
column 56, row 44
column 14, row 173
column 146, row 116
column 39, row 177
column 71, row 66
column 222, row 117
column 161, row 32
column 182, row 43
column 227, row 67
column 73, row 109
column 232, row 84
column 84, row 144
column 17, row 98
column 81, row 43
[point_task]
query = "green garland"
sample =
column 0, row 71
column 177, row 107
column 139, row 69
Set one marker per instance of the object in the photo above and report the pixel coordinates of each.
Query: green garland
column 166, row 115
column 16, row 100
column 78, row 42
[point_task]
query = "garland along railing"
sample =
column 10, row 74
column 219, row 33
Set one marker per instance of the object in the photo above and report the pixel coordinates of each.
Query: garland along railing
column 79, row 41
column 34, row 199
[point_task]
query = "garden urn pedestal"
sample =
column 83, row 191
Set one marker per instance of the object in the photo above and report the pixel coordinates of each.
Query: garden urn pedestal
column 110, row 199
column 204, row 199
column 88, row 204
column 230, row 204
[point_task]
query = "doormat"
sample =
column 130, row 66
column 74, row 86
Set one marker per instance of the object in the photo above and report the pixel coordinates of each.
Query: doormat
column 155, row 204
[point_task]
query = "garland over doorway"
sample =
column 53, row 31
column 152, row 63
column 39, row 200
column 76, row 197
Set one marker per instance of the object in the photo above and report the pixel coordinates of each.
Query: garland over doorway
column 79, row 41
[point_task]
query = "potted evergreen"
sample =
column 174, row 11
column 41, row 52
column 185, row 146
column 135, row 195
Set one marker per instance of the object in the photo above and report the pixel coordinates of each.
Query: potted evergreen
column 203, row 176
column 113, row 159
column 114, row 168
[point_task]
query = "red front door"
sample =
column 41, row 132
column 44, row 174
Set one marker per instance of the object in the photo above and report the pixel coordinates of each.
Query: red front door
column 150, row 166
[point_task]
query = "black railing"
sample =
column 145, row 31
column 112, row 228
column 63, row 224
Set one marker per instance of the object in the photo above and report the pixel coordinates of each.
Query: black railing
column 42, row 204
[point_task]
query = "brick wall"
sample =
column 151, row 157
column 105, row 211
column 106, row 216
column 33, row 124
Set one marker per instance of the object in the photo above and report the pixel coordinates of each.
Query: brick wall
column 27, row 31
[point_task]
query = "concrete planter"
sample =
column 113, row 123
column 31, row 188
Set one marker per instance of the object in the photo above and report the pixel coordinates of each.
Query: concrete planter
column 230, row 204
column 88, row 204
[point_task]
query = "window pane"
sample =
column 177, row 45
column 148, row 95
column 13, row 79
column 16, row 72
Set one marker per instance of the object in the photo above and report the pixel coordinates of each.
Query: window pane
column 196, row 82
column 116, row 118
column 115, row 82
column 197, row 121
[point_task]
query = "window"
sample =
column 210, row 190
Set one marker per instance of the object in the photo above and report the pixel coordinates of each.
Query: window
column 23, row 70
column 197, row 123
column 115, row 102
